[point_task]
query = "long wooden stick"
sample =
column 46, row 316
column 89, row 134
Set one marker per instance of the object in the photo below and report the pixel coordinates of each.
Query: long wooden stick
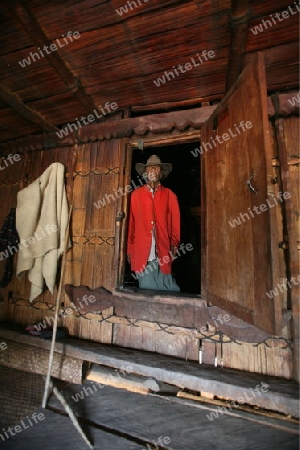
column 70, row 412
column 49, row 383
column 56, row 312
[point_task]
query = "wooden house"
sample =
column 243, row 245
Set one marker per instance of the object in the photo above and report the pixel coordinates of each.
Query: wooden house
column 213, row 88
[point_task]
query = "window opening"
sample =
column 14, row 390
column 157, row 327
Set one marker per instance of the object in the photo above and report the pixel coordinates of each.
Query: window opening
column 184, row 181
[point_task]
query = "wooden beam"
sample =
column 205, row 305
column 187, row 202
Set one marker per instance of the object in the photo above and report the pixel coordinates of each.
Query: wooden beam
column 167, row 106
column 125, row 380
column 183, row 312
column 15, row 102
column 238, row 36
column 32, row 27
column 182, row 120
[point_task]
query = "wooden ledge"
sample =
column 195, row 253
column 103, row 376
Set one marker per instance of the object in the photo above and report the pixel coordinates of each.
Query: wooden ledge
column 163, row 297
column 279, row 395
column 169, row 309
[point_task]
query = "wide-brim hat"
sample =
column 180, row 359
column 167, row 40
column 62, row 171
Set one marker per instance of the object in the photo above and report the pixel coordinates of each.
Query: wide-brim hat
column 154, row 160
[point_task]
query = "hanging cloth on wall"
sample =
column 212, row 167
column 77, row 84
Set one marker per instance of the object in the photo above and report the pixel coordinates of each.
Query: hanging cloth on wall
column 9, row 240
column 41, row 221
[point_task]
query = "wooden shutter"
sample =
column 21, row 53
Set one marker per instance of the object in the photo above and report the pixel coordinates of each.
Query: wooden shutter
column 240, row 262
column 97, row 230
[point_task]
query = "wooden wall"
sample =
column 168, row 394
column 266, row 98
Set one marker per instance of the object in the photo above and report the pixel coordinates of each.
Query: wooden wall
column 12, row 179
column 93, row 170
column 287, row 132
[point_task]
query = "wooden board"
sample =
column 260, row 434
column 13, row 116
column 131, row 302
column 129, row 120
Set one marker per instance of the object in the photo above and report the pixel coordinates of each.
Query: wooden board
column 238, row 244
column 282, row 395
column 150, row 417
column 287, row 134
column 178, row 311
column 114, row 419
column 57, row 431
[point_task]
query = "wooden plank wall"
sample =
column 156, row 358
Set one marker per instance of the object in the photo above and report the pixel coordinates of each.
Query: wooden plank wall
column 90, row 261
column 287, row 132
column 92, row 171
column 12, row 179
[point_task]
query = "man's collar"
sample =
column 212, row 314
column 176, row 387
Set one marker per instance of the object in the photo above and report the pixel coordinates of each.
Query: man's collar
column 150, row 189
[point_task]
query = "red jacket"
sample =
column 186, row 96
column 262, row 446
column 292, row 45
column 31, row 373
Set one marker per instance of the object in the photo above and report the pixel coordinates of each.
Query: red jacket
column 163, row 211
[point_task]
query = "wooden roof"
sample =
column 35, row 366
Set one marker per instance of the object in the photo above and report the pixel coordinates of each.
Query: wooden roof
column 117, row 58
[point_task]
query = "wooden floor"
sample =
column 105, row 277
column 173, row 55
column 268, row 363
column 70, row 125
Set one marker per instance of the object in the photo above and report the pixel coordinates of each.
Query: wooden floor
column 115, row 419
column 281, row 396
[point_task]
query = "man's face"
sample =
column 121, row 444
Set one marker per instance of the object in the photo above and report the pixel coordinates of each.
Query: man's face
column 153, row 173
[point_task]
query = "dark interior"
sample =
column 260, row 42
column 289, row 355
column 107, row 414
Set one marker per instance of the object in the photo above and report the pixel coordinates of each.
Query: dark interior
column 184, row 181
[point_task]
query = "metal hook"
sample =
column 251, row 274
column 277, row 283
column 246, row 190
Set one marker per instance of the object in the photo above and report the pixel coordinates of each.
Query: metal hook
column 252, row 188
column 120, row 216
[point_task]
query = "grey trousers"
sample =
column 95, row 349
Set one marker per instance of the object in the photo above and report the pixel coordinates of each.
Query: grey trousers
column 152, row 278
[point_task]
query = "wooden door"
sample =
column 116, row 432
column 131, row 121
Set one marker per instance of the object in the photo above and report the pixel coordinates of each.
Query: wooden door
column 239, row 243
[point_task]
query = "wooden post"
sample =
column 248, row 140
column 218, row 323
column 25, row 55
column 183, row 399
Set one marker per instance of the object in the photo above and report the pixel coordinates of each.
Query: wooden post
column 287, row 135
column 238, row 36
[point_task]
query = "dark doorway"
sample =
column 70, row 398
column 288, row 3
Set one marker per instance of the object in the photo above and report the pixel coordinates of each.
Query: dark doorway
column 184, row 181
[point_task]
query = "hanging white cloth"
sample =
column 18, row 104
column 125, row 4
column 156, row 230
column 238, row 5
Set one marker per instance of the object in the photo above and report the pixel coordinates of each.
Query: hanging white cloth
column 41, row 221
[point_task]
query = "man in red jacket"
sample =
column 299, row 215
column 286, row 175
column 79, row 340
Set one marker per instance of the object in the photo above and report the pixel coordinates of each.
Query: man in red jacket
column 154, row 228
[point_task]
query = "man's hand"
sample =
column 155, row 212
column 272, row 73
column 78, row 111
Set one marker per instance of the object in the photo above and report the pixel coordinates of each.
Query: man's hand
column 129, row 259
column 174, row 250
